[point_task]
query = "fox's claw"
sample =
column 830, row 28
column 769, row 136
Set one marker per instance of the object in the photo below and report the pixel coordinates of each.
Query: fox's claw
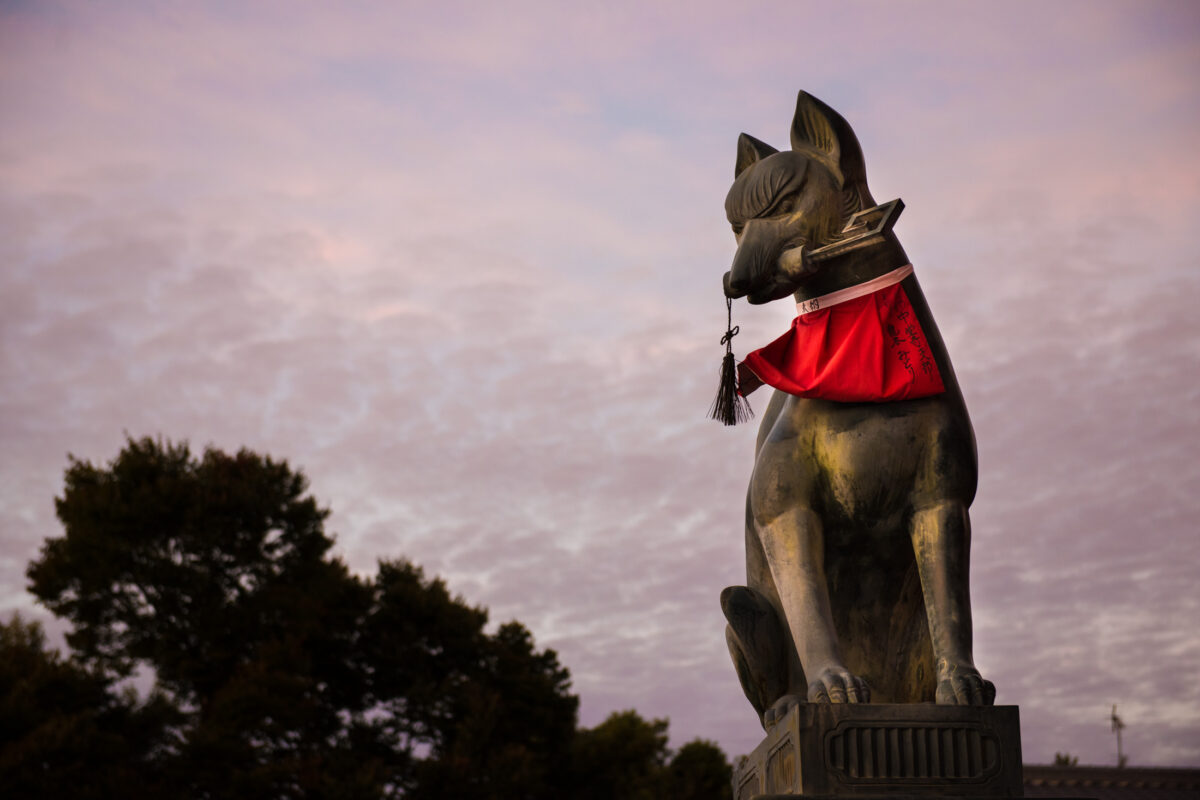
column 780, row 708
column 838, row 685
column 964, row 686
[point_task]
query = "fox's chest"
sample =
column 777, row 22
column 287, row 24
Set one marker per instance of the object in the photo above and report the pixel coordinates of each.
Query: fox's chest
column 866, row 471
column 866, row 466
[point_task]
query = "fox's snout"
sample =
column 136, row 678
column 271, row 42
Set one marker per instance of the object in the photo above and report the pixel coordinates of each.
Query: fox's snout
column 771, row 260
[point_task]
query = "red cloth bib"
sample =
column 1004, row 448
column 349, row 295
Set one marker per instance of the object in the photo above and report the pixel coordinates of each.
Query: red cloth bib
column 862, row 344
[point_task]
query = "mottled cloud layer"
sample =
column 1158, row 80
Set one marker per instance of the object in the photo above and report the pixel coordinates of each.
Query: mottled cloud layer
column 461, row 266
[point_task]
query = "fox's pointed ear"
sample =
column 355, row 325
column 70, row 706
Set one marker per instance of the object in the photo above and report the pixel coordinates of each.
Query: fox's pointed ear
column 749, row 151
column 814, row 133
column 821, row 132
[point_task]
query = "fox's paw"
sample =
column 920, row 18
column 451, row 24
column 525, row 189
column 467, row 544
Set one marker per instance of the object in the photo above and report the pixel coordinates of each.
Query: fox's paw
column 779, row 709
column 838, row 685
column 964, row 686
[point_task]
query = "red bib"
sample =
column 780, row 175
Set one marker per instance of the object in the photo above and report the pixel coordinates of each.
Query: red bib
column 858, row 344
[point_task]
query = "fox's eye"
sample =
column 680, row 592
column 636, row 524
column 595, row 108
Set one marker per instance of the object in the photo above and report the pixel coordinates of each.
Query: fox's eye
column 787, row 204
column 781, row 206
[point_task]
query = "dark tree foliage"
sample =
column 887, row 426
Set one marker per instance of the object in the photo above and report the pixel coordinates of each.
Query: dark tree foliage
column 189, row 565
column 279, row 673
column 624, row 756
column 65, row 733
column 699, row 771
column 509, row 734
column 214, row 572
column 496, row 715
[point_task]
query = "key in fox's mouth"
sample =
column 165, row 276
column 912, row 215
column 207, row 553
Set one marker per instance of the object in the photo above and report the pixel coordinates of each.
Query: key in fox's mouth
column 794, row 264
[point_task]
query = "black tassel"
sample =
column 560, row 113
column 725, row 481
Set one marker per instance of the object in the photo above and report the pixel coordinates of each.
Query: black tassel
column 729, row 407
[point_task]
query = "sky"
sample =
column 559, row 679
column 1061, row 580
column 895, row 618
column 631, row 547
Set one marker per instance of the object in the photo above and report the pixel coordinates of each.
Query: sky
column 460, row 264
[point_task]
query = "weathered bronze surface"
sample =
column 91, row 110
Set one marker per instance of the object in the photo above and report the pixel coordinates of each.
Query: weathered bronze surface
column 857, row 528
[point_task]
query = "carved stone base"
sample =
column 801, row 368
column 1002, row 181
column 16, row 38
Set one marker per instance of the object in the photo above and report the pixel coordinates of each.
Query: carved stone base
column 861, row 751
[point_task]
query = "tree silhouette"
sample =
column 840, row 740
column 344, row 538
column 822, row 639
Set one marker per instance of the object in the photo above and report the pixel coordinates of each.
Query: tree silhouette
column 699, row 771
column 624, row 756
column 280, row 674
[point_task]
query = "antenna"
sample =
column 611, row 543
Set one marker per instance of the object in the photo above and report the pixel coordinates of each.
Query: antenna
column 1118, row 726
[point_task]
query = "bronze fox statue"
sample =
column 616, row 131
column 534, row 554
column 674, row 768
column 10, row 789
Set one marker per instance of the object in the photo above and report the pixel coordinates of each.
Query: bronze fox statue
column 857, row 528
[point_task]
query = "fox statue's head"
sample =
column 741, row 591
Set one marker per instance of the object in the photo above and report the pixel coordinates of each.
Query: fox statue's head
column 783, row 205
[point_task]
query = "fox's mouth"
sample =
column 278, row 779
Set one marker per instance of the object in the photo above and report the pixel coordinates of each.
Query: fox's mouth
column 777, row 290
column 792, row 267
column 774, row 289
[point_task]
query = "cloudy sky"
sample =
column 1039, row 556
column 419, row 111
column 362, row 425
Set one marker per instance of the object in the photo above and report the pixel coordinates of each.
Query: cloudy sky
column 460, row 263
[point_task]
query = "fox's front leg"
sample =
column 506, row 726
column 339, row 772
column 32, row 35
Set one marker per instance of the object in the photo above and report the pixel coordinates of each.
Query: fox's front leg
column 941, row 536
column 794, row 546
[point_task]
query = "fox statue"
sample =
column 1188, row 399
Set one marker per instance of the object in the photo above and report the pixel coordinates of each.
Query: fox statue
column 857, row 529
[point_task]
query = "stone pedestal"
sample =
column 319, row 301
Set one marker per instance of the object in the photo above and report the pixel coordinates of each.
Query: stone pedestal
column 859, row 751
